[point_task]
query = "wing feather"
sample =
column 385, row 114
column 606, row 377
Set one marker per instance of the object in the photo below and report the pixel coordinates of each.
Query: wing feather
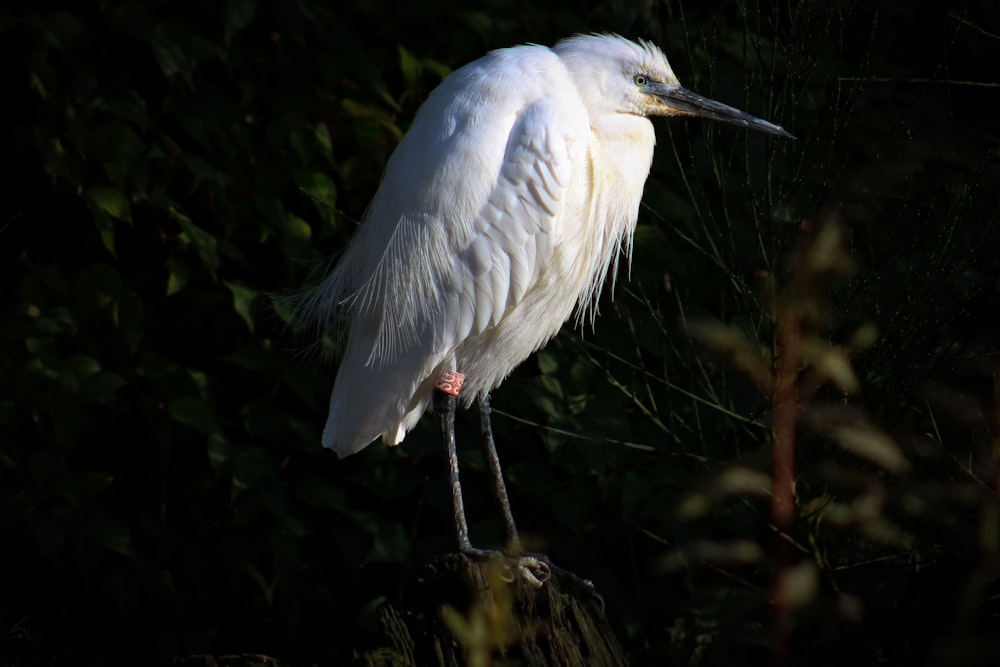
column 516, row 224
column 500, row 286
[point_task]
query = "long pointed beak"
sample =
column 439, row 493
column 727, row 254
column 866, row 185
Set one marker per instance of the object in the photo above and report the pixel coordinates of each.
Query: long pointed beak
column 683, row 101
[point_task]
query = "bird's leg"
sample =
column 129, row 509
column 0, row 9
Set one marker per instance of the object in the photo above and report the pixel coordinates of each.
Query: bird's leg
column 536, row 568
column 445, row 401
column 499, row 488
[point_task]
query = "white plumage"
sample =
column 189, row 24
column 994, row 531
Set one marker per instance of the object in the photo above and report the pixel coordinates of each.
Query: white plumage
column 500, row 212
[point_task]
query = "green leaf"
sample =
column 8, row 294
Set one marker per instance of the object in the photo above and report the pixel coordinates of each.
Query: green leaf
column 204, row 243
column 39, row 286
column 257, row 355
column 319, row 492
column 60, row 163
column 116, row 145
column 366, row 71
column 55, row 320
column 302, row 430
column 109, row 200
column 390, row 543
column 220, row 454
column 319, row 186
column 203, row 172
column 266, row 587
column 323, row 140
column 114, row 536
column 261, row 419
column 194, row 412
column 365, row 111
column 298, row 228
column 237, row 16
column 129, row 318
column 409, row 66
column 108, row 204
column 106, row 231
column 44, row 350
column 98, row 286
column 101, row 387
column 64, row 31
column 170, row 54
column 178, row 275
column 547, row 362
column 82, row 366
column 243, row 300
column 252, row 467
column 115, row 141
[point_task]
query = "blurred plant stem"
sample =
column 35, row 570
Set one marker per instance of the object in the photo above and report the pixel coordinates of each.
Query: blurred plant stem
column 785, row 398
column 801, row 360
column 804, row 360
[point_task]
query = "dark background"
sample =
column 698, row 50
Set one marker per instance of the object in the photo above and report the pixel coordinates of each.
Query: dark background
column 167, row 167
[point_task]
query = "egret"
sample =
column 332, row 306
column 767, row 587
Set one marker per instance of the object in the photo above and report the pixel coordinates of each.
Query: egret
column 498, row 215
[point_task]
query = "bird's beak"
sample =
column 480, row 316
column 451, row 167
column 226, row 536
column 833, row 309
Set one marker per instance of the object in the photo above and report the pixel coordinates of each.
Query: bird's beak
column 684, row 102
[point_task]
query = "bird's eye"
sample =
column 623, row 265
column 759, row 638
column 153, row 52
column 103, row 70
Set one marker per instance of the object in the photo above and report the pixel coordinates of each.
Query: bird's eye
column 641, row 80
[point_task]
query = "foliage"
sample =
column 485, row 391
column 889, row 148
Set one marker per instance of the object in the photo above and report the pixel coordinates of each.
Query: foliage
column 167, row 167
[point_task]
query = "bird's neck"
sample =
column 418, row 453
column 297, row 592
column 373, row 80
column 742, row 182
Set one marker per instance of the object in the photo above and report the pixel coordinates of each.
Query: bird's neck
column 624, row 146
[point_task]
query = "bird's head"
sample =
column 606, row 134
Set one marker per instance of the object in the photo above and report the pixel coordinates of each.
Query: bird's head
column 635, row 77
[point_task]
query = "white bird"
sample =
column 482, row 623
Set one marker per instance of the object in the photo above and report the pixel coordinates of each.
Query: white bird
column 499, row 214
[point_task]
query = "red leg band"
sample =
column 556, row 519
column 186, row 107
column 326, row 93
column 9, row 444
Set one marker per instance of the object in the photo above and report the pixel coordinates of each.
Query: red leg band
column 450, row 383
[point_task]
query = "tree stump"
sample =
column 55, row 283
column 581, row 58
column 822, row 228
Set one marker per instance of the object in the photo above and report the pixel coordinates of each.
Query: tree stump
column 460, row 612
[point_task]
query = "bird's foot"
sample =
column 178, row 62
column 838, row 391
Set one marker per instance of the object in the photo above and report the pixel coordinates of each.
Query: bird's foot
column 534, row 569
column 584, row 587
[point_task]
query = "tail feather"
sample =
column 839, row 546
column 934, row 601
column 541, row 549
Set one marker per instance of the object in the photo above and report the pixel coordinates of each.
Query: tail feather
column 369, row 401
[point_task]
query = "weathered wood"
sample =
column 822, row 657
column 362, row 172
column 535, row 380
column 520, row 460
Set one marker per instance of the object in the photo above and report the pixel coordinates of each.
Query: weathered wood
column 459, row 612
